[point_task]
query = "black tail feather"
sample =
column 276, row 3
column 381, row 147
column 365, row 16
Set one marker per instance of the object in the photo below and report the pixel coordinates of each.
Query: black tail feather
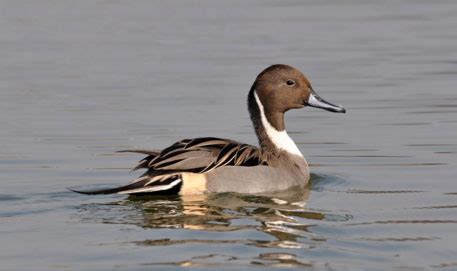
column 113, row 190
column 168, row 185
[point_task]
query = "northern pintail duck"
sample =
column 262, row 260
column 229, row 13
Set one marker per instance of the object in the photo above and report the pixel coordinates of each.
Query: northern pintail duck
column 209, row 164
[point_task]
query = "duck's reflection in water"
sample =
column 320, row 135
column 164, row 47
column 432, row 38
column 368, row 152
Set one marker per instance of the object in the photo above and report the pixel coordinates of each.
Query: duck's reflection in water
column 225, row 212
column 283, row 216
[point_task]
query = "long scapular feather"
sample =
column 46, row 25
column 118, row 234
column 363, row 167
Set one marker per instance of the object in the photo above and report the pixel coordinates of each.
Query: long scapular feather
column 147, row 152
column 179, row 157
column 206, row 141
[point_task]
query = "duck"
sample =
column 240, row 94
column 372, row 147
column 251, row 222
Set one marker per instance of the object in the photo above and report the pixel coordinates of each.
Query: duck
column 217, row 165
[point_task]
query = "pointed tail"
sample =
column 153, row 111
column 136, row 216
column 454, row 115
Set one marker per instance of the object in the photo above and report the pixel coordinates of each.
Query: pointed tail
column 163, row 185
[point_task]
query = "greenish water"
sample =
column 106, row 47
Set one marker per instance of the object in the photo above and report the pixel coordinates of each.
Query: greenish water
column 80, row 80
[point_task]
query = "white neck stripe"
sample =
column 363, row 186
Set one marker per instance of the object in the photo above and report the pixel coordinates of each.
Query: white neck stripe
column 279, row 138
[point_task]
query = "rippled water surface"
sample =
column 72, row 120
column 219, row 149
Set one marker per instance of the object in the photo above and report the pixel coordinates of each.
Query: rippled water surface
column 82, row 79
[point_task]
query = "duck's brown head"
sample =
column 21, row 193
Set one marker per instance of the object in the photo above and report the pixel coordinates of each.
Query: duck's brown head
column 282, row 87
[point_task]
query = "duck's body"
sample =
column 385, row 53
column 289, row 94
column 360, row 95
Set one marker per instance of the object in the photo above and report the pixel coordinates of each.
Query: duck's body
column 202, row 165
column 283, row 172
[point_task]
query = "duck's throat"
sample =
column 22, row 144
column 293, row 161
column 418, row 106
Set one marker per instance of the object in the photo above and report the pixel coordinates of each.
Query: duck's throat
column 268, row 135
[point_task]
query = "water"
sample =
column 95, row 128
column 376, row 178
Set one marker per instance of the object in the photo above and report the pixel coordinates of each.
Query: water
column 82, row 79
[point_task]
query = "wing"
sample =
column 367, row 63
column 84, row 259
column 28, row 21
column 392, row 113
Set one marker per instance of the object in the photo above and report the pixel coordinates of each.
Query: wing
column 198, row 155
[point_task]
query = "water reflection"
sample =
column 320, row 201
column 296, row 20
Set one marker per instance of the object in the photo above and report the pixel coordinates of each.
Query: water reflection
column 276, row 260
column 214, row 212
column 280, row 224
column 282, row 215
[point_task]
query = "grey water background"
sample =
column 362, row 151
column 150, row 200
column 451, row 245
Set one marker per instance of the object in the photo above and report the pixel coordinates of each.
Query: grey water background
column 80, row 80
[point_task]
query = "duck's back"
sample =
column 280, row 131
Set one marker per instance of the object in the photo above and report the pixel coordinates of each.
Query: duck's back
column 182, row 167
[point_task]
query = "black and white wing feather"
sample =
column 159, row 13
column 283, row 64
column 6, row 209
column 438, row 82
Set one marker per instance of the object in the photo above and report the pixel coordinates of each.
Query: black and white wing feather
column 198, row 155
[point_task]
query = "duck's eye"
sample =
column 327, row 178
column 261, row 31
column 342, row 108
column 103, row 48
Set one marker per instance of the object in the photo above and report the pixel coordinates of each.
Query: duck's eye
column 290, row 82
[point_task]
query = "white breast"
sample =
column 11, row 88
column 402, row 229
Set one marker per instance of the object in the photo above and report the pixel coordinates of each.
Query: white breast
column 280, row 138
